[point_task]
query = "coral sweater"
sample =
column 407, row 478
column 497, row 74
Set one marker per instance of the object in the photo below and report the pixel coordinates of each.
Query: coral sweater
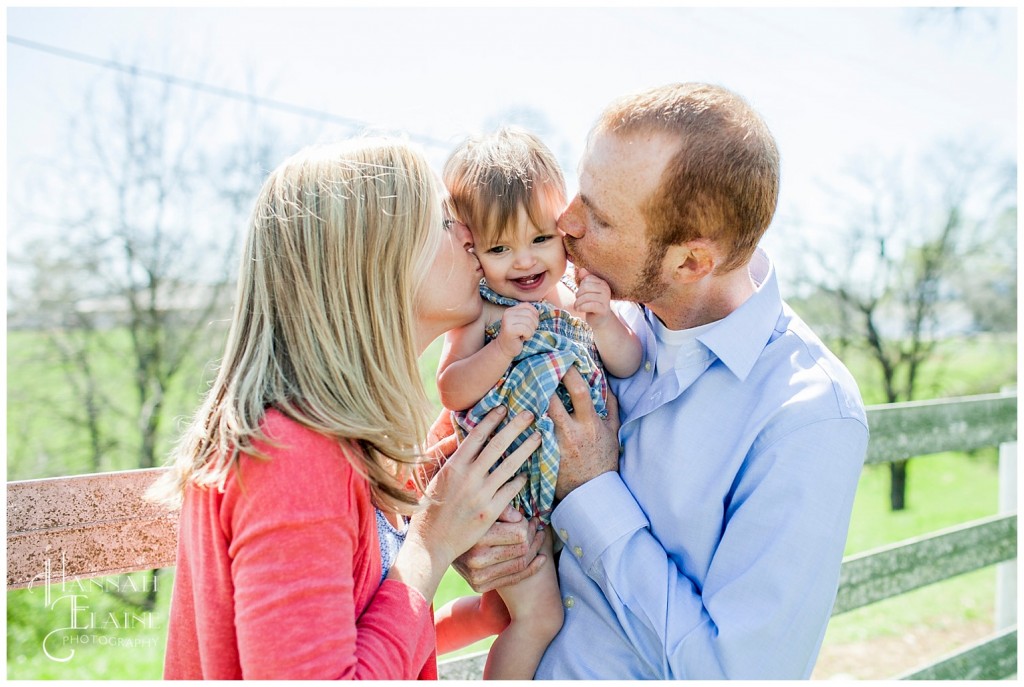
column 277, row 575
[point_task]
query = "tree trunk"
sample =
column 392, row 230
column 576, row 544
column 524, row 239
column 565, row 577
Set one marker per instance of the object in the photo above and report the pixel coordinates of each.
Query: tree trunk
column 898, row 485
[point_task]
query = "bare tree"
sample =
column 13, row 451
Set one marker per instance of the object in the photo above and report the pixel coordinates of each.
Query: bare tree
column 128, row 269
column 892, row 269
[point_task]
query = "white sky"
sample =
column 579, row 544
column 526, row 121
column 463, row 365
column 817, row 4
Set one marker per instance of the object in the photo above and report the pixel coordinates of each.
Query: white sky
column 831, row 83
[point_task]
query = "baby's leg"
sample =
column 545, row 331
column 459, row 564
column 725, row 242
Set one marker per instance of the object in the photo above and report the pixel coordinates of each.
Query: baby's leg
column 535, row 607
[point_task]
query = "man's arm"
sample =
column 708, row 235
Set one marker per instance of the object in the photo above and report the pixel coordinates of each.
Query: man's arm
column 769, row 590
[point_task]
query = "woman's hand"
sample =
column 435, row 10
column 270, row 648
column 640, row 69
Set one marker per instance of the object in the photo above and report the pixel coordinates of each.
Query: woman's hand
column 465, row 500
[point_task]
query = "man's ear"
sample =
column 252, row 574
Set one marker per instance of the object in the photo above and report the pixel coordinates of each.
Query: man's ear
column 692, row 260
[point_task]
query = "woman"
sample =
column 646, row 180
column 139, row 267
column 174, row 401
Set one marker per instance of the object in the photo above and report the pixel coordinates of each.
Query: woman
column 298, row 471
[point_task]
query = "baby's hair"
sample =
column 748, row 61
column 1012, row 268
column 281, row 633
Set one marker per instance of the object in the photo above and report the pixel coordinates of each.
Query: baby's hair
column 490, row 176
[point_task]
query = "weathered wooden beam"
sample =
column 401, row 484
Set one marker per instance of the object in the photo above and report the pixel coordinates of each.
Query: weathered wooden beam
column 86, row 526
column 905, row 430
column 994, row 658
column 906, row 565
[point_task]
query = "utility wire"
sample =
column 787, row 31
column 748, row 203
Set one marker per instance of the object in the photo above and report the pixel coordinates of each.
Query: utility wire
column 251, row 98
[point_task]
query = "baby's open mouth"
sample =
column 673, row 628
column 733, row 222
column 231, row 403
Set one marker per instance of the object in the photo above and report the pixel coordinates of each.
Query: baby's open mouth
column 527, row 282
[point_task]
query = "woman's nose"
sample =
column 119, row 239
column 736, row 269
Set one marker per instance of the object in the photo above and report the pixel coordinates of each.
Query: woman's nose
column 573, row 220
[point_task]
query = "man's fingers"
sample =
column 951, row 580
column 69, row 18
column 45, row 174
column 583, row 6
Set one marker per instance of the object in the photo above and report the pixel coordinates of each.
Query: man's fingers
column 510, row 514
column 612, row 406
column 506, row 533
column 513, row 578
column 579, row 392
column 557, row 411
column 500, row 566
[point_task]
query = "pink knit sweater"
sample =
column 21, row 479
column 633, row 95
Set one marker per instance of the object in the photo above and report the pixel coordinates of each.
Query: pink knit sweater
column 277, row 576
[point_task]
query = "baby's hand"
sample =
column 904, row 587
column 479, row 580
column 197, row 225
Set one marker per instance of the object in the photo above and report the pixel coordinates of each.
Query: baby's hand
column 593, row 299
column 518, row 324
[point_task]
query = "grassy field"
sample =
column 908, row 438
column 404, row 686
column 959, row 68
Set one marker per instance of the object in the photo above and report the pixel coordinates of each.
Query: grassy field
column 943, row 490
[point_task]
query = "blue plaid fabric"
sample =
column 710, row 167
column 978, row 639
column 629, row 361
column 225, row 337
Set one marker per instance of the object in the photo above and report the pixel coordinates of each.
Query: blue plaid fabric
column 561, row 341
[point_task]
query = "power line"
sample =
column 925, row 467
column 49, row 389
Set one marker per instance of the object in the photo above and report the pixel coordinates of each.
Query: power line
column 171, row 79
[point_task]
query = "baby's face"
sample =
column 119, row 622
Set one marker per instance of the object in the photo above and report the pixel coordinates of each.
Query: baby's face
column 528, row 264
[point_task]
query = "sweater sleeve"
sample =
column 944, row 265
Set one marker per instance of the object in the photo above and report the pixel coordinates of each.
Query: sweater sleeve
column 294, row 530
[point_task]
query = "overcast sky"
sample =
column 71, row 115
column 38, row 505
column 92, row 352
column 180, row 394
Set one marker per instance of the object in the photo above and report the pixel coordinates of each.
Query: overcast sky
column 831, row 83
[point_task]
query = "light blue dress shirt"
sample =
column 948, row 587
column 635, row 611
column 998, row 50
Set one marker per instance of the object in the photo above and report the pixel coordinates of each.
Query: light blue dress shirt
column 714, row 552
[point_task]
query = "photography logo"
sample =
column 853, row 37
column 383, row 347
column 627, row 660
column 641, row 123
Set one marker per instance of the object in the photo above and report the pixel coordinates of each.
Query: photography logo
column 70, row 603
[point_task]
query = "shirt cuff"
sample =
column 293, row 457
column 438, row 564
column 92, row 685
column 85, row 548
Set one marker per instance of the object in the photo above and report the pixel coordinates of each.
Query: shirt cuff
column 594, row 516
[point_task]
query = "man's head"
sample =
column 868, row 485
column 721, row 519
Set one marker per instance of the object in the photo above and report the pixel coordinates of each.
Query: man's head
column 682, row 165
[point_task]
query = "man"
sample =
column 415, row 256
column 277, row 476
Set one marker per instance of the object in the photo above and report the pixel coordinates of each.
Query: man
column 710, row 548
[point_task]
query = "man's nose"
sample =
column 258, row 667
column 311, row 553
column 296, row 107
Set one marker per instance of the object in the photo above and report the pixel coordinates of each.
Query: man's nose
column 572, row 221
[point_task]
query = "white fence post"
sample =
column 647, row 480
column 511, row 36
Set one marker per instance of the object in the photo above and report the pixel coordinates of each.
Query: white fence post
column 1006, row 573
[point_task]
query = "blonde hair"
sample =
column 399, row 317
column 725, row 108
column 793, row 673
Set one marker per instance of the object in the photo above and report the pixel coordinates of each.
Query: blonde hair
column 722, row 183
column 340, row 241
column 489, row 177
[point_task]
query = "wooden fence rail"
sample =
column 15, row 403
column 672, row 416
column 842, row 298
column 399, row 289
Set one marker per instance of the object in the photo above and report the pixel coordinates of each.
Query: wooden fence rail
column 92, row 525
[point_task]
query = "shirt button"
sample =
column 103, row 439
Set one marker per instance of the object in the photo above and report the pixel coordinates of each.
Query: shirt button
column 578, row 551
column 647, row 366
column 568, row 602
column 565, row 535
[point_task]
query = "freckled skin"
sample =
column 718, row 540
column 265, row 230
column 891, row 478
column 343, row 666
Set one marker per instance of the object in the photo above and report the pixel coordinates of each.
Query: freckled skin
column 604, row 226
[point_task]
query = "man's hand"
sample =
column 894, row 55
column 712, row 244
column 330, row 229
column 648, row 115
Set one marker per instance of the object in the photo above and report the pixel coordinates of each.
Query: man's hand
column 506, row 554
column 588, row 446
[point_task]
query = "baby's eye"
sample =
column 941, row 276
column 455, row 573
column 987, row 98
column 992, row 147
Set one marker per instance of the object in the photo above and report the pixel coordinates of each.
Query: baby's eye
column 497, row 250
column 543, row 238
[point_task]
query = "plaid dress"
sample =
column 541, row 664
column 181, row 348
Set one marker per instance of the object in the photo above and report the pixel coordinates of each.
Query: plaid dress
column 561, row 340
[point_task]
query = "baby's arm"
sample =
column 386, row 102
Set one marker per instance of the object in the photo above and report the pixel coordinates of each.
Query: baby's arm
column 468, row 369
column 619, row 347
column 468, row 619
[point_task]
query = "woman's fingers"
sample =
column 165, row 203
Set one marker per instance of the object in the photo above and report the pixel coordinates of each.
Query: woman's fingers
column 499, row 443
column 477, row 437
column 513, row 461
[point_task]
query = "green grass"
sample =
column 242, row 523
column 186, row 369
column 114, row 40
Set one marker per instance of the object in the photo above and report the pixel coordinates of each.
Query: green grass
column 88, row 647
column 942, row 490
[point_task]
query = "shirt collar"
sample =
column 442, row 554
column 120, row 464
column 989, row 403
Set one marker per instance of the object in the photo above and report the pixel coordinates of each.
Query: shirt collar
column 739, row 339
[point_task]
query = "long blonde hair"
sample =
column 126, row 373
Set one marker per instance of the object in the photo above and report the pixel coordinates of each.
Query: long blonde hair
column 339, row 243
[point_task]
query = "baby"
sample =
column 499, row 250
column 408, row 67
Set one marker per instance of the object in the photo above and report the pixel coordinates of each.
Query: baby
column 508, row 189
